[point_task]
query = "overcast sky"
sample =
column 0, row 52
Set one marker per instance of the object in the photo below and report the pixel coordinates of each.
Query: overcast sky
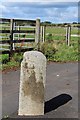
column 56, row 12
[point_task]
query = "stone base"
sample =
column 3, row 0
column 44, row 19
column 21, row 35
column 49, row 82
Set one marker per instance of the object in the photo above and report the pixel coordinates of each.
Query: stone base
column 31, row 109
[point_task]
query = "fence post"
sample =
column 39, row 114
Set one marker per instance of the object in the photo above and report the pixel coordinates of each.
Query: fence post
column 14, row 36
column 69, row 35
column 41, row 33
column 18, row 33
column 11, row 36
column 44, row 33
column 37, row 34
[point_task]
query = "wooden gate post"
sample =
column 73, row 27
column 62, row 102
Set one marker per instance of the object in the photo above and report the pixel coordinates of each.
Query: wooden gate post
column 37, row 34
column 68, row 35
column 44, row 33
column 11, row 36
column 18, row 33
column 41, row 33
column 14, row 36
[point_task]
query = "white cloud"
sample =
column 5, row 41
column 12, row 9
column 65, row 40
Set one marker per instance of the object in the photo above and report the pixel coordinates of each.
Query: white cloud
column 43, row 1
column 50, row 12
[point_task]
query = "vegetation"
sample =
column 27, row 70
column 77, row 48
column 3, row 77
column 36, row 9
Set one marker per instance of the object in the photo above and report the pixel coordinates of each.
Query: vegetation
column 14, row 62
column 55, row 48
column 60, row 52
column 74, row 24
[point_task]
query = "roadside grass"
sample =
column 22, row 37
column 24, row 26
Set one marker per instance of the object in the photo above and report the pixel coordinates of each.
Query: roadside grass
column 60, row 52
column 66, row 53
column 56, row 52
column 14, row 62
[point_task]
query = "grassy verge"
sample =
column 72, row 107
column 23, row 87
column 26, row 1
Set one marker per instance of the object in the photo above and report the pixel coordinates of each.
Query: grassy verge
column 57, row 52
column 13, row 63
column 60, row 52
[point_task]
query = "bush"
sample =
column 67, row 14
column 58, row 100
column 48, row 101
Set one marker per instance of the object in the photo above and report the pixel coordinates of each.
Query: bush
column 48, row 49
column 60, row 52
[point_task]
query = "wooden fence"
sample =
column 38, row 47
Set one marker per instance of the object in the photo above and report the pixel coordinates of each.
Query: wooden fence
column 33, row 28
column 30, row 27
column 66, row 34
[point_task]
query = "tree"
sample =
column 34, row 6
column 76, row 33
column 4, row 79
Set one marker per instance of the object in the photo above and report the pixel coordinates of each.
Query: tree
column 46, row 23
column 74, row 22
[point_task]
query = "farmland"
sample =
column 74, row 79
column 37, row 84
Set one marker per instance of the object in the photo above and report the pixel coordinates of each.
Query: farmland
column 54, row 47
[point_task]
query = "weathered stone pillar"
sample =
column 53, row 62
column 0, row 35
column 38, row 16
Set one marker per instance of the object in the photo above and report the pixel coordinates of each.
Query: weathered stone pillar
column 32, row 84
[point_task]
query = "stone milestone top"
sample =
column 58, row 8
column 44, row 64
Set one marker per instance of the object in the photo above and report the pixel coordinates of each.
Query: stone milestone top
column 37, row 54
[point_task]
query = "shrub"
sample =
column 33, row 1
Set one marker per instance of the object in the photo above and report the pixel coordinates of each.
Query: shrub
column 49, row 49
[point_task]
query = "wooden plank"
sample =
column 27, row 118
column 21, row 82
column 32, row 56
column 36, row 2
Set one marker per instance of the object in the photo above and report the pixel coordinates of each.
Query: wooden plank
column 4, row 20
column 23, row 50
column 23, row 34
column 4, row 31
column 17, row 31
column 24, row 31
column 16, row 51
column 17, row 20
column 4, row 26
column 21, row 20
column 4, row 41
column 26, row 26
column 18, row 41
column 1, row 45
column 5, row 52
column 24, row 40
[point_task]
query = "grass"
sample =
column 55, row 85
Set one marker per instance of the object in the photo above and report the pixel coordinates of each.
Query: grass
column 55, row 48
column 66, row 53
column 60, row 52
column 57, row 52
column 58, row 30
column 55, row 30
column 14, row 62
column 55, row 37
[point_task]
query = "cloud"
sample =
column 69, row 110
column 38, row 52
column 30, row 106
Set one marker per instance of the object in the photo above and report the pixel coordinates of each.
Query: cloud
column 48, row 1
column 52, row 11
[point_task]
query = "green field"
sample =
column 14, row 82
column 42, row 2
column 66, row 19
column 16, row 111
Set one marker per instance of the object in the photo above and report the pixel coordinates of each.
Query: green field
column 61, row 30
column 54, row 48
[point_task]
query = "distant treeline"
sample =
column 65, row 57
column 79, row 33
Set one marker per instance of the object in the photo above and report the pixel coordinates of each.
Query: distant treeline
column 74, row 24
column 46, row 23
